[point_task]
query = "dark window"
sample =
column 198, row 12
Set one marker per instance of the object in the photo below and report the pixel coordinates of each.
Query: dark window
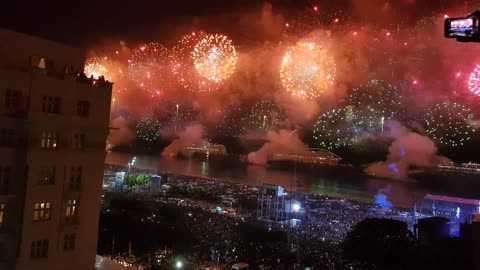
column 51, row 104
column 3, row 251
column 69, row 241
column 75, row 177
column 79, row 141
column 5, row 172
column 13, row 99
column 47, row 176
column 83, row 108
column 6, row 137
column 39, row 249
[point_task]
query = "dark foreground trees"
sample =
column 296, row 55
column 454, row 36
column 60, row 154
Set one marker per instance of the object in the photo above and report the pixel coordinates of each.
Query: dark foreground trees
column 381, row 243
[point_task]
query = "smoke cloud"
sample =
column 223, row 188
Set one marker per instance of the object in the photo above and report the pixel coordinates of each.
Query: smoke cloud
column 281, row 142
column 408, row 149
column 120, row 133
column 191, row 135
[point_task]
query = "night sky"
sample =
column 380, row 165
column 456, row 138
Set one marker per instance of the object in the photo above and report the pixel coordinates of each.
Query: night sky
column 85, row 22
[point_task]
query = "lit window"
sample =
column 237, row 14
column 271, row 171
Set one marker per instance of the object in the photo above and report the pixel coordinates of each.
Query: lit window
column 39, row 249
column 42, row 211
column 71, row 212
column 79, row 141
column 2, row 214
column 47, row 176
column 49, row 139
column 75, row 177
column 83, row 108
column 69, row 241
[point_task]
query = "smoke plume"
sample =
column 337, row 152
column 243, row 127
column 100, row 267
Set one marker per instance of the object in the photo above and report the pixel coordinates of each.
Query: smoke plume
column 282, row 142
column 120, row 133
column 191, row 135
column 407, row 150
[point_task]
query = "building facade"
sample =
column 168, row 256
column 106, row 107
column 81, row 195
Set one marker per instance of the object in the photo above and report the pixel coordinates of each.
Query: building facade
column 53, row 128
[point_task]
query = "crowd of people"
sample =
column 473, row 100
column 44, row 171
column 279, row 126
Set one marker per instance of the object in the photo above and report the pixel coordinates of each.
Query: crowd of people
column 222, row 233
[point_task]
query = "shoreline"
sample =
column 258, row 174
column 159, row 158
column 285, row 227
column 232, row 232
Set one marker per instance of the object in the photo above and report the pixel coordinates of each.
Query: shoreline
column 301, row 194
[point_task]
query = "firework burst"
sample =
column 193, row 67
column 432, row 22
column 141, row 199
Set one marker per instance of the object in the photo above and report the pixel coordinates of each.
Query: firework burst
column 202, row 62
column 307, row 70
column 265, row 115
column 474, row 81
column 336, row 129
column 148, row 129
column 147, row 67
column 214, row 57
column 374, row 104
column 102, row 66
column 448, row 124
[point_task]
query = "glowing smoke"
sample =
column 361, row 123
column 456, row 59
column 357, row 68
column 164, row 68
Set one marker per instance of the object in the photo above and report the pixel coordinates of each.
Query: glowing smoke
column 282, row 142
column 408, row 149
column 381, row 198
column 191, row 135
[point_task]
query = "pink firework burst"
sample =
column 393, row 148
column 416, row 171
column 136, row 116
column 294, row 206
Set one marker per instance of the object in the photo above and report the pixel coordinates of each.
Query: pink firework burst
column 474, row 81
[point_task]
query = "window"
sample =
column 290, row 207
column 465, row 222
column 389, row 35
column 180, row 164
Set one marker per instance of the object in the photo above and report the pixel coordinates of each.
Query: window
column 13, row 99
column 47, row 175
column 51, row 104
column 69, row 241
column 3, row 251
column 83, row 108
column 5, row 172
column 2, row 214
column 49, row 139
column 75, row 177
column 39, row 249
column 79, row 141
column 71, row 212
column 6, row 137
column 42, row 211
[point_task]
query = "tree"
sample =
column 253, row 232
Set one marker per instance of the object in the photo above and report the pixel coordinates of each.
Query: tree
column 385, row 243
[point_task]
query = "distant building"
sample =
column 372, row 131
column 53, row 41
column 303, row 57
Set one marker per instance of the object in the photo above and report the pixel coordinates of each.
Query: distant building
column 312, row 156
column 207, row 149
column 53, row 128
column 464, row 168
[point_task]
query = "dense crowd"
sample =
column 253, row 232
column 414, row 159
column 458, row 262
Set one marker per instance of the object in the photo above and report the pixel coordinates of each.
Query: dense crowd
column 223, row 233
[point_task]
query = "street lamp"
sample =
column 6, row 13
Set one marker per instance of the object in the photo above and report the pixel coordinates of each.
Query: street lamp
column 178, row 264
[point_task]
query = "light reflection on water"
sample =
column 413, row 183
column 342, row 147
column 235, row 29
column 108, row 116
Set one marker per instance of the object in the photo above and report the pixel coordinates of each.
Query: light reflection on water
column 357, row 188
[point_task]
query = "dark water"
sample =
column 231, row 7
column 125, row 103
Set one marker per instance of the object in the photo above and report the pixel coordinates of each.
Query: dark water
column 359, row 188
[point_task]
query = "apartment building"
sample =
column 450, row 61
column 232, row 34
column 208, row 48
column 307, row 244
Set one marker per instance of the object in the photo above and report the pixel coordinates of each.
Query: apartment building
column 53, row 128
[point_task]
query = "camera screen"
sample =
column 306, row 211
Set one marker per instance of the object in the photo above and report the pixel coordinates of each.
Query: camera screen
column 459, row 27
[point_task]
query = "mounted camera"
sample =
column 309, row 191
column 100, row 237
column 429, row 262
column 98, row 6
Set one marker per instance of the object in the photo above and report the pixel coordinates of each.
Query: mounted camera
column 464, row 29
